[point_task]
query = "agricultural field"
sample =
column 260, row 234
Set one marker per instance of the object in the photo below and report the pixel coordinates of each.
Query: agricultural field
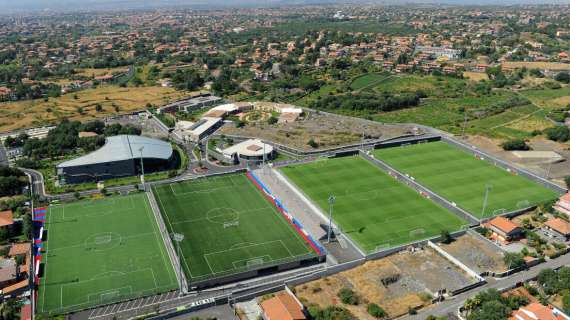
column 549, row 98
column 369, row 79
column 371, row 207
column 555, row 66
column 102, row 251
column 462, row 178
column 113, row 99
column 229, row 227
column 96, row 72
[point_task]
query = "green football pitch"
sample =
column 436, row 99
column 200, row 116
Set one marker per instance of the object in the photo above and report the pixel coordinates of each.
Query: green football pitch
column 371, row 207
column 462, row 178
column 229, row 227
column 102, row 251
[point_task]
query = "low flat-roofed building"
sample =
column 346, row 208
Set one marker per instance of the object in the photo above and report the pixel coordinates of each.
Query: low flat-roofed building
column 196, row 102
column 252, row 149
column 203, row 128
column 559, row 227
column 504, row 229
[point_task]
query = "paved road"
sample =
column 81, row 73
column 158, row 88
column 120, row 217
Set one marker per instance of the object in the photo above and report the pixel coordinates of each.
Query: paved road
column 451, row 306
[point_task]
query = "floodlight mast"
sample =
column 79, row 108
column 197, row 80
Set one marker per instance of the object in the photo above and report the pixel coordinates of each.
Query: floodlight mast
column 487, row 189
column 178, row 237
column 332, row 199
column 142, row 167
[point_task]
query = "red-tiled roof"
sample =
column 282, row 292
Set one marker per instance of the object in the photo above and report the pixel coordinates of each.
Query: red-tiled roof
column 504, row 224
column 535, row 311
column 282, row 307
column 6, row 218
column 559, row 225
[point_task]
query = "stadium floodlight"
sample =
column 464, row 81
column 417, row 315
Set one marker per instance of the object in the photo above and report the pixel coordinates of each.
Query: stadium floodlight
column 178, row 237
column 487, row 189
column 332, row 199
column 142, row 167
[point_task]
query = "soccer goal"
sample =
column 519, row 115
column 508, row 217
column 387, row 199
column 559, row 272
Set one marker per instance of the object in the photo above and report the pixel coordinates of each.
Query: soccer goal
column 382, row 247
column 417, row 233
column 254, row 262
column 231, row 224
column 499, row 211
column 523, row 204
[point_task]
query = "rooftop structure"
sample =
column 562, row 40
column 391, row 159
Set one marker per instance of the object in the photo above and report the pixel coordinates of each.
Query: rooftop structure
column 252, row 149
column 282, row 307
column 119, row 157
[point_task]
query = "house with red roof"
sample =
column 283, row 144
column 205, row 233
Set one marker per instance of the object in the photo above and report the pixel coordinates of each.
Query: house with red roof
column 536, row 311
column 283, row 306
column 504, row 229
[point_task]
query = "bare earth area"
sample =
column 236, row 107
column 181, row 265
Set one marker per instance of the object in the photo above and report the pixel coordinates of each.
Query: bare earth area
column 396, row 283
column 328, row 131
column 476, row 253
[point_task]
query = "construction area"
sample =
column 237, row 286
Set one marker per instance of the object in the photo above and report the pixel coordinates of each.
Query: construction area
column 409, row 279
column 326, row 130
column 477, row 253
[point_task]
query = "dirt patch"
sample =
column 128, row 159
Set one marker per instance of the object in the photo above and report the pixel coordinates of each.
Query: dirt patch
column 476, row 253
column 475, row 76
column 327, row 130
column 396, row 283
column 562, row 101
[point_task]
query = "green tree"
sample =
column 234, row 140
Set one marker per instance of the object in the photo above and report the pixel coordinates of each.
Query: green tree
column 272, row 120
column 513, row 260
column 376, row 311
column 566, row 303
column 515, row 144
column 446, row 237
column 348, row 296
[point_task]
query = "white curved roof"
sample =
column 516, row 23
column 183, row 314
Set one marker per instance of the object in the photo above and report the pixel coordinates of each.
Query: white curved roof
column 123, row 147
column 249, row 148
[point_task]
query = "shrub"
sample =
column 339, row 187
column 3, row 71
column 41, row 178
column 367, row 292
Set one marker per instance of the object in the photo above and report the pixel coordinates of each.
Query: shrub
column 558, row 133
column 313, row 144
column 272, row 120
column 347, row 296
column 515, row 144
column 376, row 311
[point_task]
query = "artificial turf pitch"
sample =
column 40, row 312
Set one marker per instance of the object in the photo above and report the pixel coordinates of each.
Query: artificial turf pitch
column 462, row 178
column 229, row 227
column 102, row 251
column 371, row 207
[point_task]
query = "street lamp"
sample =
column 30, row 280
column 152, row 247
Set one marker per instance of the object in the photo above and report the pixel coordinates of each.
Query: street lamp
column 178, row 237
column 331, row 203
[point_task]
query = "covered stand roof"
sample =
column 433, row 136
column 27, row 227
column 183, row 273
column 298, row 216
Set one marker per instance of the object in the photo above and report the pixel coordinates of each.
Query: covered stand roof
column 123, row 147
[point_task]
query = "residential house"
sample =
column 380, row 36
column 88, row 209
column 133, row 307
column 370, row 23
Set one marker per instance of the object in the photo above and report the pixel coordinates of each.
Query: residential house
column 282, row 307
column 504, row 229
column 537, row 311
column 559, row 228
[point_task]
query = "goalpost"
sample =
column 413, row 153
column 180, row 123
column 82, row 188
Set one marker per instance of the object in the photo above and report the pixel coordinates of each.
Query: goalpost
column 417, row 232
column 231, row 224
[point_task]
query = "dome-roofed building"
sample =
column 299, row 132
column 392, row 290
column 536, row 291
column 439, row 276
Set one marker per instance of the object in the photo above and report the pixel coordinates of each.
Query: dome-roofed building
column 119, row 157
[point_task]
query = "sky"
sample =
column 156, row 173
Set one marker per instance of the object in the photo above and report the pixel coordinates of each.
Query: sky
column 15, row 6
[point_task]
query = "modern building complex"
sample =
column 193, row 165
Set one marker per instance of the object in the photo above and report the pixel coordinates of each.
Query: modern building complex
column 200, row 101
column 121, row 156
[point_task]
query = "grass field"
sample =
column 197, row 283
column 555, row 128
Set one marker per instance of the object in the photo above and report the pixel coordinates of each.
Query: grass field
column 31, row 113
column 371, row 207
column 461, row 178
column 229, row 227
column 102, row 251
